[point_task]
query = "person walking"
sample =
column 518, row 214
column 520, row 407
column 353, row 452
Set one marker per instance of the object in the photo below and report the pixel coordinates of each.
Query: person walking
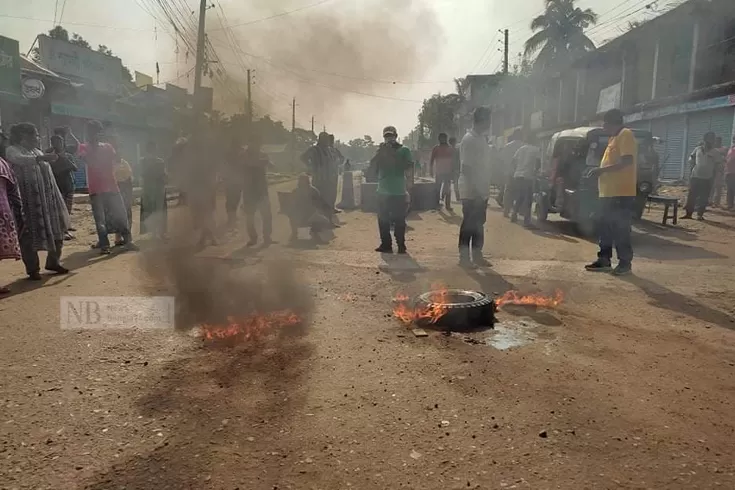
column 718, row 182
column 390, row 164
column 704, row 159
column 11, row 212
column 153, row 204
column 255, row 192
column 234, row 180
column 455, row 167
column 63, row 169
column 506, row 170
column 730, row 175
column 527, row 162
column 108, row 207
column 337, row 161
column 441, row 168
column 617, row 181
column 124, row 178
column 474, row 182
column 320, row 161
column 45, row 217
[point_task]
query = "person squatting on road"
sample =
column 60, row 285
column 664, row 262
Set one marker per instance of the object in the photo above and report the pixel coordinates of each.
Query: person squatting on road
column 108, row 207
column 617, row 181
column 474, row 183
column 322, row 165
column 504, row 169
column 63, row 169
column 441, row 167
column 730, row 175
column 703, row 161
column 390, row 164
column 45, row 217
column 527, row 162
column 11, row 212
column 255, row 192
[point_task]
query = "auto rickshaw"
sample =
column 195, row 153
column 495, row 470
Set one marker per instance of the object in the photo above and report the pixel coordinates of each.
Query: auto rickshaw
column 565, row 187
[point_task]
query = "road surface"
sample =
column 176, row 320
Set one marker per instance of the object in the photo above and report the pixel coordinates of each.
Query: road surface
column 629, row 383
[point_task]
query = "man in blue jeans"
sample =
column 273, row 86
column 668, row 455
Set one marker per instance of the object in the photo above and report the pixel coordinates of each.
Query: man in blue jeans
column 618, row 188
column 104, row 195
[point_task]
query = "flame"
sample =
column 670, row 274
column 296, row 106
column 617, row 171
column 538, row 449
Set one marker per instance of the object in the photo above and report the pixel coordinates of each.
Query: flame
column 432, row 312
column 515, row 298
column 251, row 327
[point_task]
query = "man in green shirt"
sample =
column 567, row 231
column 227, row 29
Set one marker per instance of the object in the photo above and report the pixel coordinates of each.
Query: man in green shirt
column 390, row 164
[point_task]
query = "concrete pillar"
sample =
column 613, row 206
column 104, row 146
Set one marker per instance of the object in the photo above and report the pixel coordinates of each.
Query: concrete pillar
column 561, row 97
column 576, row 95
column 693, row 60
column 654, row 82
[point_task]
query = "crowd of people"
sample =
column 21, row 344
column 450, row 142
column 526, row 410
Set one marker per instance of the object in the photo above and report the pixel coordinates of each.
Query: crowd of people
column 37, row 194
column 712, row 168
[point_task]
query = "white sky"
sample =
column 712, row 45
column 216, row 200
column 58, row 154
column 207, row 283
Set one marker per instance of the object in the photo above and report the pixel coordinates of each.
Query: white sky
column 471, row 44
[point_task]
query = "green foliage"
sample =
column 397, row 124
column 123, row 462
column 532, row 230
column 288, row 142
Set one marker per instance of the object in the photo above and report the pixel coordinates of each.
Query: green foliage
column 559, row 34
column 358, row 150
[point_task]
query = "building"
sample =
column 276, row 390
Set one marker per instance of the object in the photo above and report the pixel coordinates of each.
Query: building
column 673, row 75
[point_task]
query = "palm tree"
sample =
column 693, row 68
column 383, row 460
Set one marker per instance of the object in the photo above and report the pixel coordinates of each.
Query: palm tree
column 559, row 33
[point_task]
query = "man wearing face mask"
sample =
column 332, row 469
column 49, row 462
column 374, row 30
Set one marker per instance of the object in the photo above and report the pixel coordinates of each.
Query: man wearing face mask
column 390, row 164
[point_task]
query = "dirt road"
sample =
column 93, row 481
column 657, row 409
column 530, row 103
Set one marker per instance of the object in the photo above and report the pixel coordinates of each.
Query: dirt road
column 630, row 383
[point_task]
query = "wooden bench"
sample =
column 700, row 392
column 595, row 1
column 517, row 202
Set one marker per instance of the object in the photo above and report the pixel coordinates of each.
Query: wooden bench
column 667, row 202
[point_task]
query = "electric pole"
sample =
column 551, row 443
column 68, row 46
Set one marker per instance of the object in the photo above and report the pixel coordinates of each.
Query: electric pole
column 505, row 52
column 250, row 102
column 293, row 133
column 199, row 67
column 312, row 124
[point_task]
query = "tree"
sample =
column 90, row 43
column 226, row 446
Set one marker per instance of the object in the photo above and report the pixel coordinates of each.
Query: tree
column 59, row 32
column 104, row 50
column 438, row 114
column 559, row 34
column 79, row 41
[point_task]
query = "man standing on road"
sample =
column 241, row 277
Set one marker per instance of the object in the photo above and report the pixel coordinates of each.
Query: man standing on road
column 705, row 159
column 527, row 162
column 506, row 169
column 255, row 192
column 441, row 167
column 474, row 183
column 390, row 164
column 730, row 175
column 322, row 165
column 104, row 194
column 455, row 167
column 617, row 187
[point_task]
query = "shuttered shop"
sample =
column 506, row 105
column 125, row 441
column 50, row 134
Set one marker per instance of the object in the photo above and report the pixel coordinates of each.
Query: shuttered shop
column 671, row 130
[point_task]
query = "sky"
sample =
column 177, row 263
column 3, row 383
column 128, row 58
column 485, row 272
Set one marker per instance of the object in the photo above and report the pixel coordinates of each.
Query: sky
column 354, row 65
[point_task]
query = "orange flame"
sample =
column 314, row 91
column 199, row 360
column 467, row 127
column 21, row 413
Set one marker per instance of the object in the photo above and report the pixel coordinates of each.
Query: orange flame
column 432, row 312
column 515, row 298
column 250, row 327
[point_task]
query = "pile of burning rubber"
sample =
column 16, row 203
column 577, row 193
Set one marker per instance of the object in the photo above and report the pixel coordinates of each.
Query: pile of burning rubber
column 460, row 309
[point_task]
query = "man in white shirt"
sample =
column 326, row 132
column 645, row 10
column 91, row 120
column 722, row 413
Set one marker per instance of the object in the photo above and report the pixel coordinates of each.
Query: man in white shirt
column 527, row 162
column 474, row 182
column 515, row 141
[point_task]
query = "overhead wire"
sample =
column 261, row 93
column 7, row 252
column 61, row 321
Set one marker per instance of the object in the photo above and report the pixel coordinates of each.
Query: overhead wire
column 282, row 14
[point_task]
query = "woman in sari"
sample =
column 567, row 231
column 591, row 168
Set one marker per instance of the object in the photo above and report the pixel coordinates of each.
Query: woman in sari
column 45, row 216
column 11, row 212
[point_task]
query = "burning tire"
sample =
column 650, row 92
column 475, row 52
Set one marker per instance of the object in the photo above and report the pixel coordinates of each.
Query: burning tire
column 461, row 309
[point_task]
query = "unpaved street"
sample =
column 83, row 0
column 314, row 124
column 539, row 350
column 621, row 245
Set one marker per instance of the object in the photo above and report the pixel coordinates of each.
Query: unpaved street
column 629, row 383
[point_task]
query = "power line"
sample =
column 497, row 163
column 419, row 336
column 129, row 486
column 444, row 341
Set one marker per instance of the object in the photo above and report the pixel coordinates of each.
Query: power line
column 61, row 16
column 35, row 19
column 282, row 14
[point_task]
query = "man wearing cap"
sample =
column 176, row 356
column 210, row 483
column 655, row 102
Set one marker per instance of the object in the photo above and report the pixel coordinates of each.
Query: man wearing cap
column 390, row 164
column 474, row 183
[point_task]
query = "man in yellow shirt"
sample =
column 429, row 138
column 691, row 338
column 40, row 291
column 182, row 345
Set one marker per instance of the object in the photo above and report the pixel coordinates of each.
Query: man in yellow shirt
column 618, row 189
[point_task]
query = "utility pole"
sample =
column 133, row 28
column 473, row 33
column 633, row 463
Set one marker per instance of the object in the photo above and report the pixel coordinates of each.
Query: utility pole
column 505, row 52
column 250, row 102
column 293, row 133
column 199, row 67
column 312, row 124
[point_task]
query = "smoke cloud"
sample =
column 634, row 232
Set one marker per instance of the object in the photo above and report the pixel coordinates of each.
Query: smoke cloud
column 322, row 55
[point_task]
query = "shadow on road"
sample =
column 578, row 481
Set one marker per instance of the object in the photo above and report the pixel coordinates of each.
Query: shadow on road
column 450, row 217
column 219, row 407
column 659, row 248
column 402, row 268
column 667, row 299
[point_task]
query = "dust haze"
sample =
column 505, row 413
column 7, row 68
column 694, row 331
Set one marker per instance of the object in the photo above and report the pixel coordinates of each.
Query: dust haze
column 322, row 55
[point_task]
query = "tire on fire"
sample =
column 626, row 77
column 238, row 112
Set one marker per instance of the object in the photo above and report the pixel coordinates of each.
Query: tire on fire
column 464, row 309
